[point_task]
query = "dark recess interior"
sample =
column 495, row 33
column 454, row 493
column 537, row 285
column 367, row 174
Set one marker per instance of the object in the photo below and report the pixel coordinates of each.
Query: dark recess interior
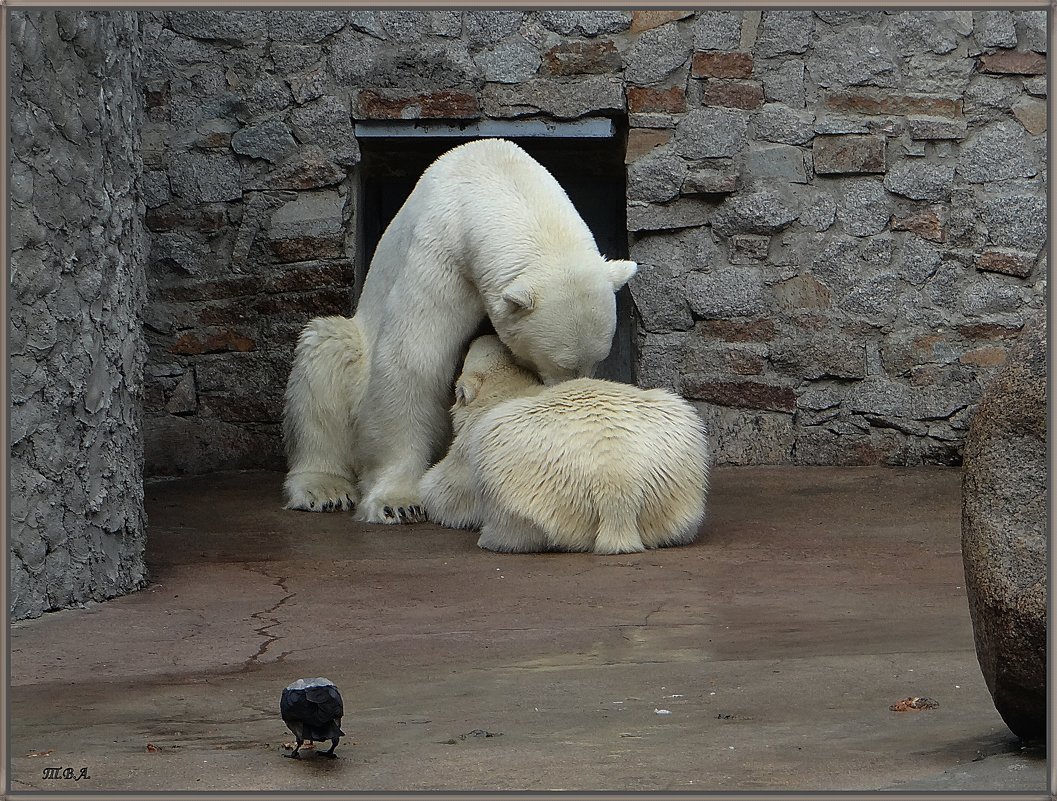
column 591, row 170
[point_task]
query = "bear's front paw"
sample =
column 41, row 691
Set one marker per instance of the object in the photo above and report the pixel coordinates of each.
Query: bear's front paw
column 319, row 492
column 391, row 510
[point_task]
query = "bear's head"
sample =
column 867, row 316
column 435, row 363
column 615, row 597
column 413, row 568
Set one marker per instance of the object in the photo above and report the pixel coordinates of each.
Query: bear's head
column 560, row 323
column 489, row 376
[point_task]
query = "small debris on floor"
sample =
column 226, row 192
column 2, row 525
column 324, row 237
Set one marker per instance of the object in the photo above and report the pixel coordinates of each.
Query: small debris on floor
column 40, row 753
column 662, row 711
column 480, row 733
column 152, row 748
column 914, row 703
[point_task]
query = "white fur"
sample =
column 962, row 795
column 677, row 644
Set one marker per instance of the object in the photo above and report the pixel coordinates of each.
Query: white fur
column 486, row 231
column 585, row 465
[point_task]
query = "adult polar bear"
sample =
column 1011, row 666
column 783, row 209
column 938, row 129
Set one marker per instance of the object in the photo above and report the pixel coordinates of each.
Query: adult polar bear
column 487, row 231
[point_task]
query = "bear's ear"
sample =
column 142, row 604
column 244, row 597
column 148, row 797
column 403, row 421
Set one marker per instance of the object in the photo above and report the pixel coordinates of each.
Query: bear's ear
column 517, row 294
column 465, row 392
column 620, row 272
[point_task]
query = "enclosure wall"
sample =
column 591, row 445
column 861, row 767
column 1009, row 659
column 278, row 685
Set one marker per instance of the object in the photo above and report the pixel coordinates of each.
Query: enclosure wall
column 839, row 215
column 76, row 291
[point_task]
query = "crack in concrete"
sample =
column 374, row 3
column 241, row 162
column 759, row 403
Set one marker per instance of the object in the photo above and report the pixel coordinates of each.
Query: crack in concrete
column 264, row 615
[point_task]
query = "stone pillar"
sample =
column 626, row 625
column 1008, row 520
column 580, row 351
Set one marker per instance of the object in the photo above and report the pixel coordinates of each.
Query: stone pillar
column 1004, row 534
column 77, row 286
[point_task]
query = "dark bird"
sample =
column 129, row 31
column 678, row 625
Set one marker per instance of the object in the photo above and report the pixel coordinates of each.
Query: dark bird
column 312, row 710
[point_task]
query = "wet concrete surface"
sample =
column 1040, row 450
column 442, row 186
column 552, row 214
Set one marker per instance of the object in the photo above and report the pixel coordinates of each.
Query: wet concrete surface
column 765, row 656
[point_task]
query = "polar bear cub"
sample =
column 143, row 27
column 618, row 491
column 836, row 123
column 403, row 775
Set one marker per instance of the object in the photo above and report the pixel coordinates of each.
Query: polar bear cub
column 584, row 465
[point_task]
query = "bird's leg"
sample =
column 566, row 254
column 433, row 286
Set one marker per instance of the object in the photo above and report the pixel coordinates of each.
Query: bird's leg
column 330, row 753
column 294, row 754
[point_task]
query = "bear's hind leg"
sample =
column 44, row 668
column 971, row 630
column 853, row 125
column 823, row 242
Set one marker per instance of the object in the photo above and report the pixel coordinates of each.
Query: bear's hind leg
column 326, row 384
column 509, row 533
column 618, row 526
column 448, row 492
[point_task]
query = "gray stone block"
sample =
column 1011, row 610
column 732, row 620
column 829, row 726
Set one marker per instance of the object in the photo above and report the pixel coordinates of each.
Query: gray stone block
column 567, row 99
column 485, row 27
column 776, row 122
column 717, row 30
column 748, row 248
column 1004, row 533
column 783, row 32
column 920, row 260
column 920, row 180
column 875, row 299
column 304, row 26
column 1031, row 30
column 205, row 177
column 994, row 29
column 998, row 152
column 856, row 56
column 584, row 23
column 660, row 360
column 312, row 214
column 226, row 26
column 920, row 127
column 1015, row 220
column 657, row 177
column 686, row 249
column 327, row 122
column 759, row 211
column 270, row 140
column 819, row 210
column 712, row 133
column 725, row 292
column 863, row 207
column 686, row 212
column 923, row 31
column 656, row 54
column 510, row 61
column 660, row 298
column 776, row 161
column 784, row 82
column 818, row 357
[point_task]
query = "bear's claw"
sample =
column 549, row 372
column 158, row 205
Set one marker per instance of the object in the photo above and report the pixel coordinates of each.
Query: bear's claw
column 376, row 512
column 319, row 492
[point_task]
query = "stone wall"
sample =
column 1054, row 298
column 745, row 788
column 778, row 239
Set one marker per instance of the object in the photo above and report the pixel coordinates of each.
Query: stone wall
column 76, row 289
column 840, row 216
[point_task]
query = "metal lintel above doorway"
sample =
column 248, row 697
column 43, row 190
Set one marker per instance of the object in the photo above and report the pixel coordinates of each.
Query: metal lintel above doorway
column 593, row 128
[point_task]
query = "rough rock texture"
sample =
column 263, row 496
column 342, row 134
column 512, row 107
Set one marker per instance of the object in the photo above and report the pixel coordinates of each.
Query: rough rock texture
column 77, row 287
column 871, row 186
column 1004, row 533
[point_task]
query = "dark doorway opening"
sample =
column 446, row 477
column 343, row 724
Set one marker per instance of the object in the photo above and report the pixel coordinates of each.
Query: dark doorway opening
column 591, row 170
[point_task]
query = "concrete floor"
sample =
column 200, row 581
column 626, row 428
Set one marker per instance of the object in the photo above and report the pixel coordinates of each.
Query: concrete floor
column 814, row 599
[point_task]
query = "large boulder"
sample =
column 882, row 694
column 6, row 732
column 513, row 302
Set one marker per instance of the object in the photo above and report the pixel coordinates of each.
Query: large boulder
column 1004, row 534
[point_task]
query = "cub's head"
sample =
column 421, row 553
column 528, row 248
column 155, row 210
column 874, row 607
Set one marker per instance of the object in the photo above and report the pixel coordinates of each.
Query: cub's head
column 489, row 376
column 560, row 324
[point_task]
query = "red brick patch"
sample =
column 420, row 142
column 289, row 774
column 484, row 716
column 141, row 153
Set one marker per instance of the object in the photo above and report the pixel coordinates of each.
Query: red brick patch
column 875, row 104
column 644, row 20
column 385, row 105
column 741, row 394
column 582, row 58
column 225, row 341
column 733, row 94
column 722, row 65
column 927, row 224
column 998, row 261
column 1013, row 62
column 848, row 154
column 732, row 331
column 644, row 99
